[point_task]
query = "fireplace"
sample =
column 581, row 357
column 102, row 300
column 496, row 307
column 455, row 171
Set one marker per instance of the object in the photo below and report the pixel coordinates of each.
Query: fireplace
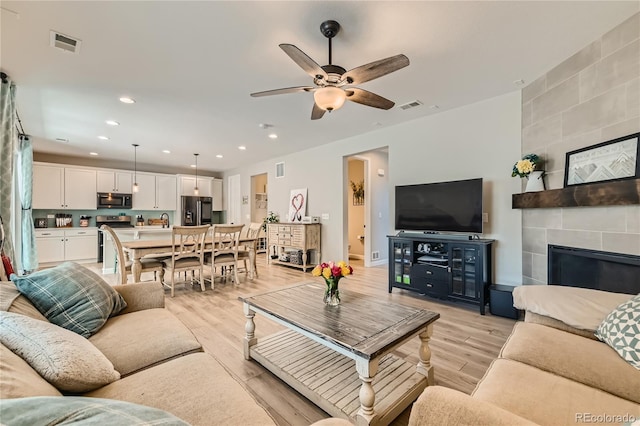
column 574, row 267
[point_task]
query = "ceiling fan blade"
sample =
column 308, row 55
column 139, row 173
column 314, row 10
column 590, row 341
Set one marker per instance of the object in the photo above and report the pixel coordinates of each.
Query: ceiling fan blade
column 305, row 62
column 375, row 69
column 368, row 98
column 316, row 112
column 283, row 91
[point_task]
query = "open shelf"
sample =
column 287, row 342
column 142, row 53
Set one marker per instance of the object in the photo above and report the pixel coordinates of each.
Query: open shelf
column 618, row 193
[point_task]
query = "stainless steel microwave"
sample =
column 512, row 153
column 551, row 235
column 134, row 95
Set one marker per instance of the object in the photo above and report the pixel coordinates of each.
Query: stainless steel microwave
column 110, row 200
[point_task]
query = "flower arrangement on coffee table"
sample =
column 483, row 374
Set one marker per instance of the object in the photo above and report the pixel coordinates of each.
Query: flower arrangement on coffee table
column 332, row 273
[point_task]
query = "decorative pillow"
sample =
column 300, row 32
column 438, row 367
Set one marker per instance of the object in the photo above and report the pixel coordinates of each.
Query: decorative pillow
column 67, row 361
column 72, row 297
column 621, row 330
column 42, row 410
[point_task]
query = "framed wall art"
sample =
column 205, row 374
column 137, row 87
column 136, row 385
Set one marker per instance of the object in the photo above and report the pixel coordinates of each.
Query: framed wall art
column 297, row 205
column 616, row 159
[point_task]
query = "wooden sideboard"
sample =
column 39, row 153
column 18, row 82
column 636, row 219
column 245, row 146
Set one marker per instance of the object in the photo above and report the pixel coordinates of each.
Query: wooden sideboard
column 283, row 238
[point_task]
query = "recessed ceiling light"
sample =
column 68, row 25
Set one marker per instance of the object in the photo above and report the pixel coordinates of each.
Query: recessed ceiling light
column 242, row 147
column 519, row 82
column 166, row 151
column 103, row 138
column 219, row 156
column 127, row 100
column 434, row 106
column 93, row 153
column 62, row 140
column 273, row 136
column 193, row 166
column 112, row 123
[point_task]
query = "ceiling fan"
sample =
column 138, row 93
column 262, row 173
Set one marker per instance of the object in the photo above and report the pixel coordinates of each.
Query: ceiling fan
column 332, row 82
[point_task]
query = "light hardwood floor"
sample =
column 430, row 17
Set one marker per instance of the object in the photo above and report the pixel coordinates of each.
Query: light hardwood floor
column 463, row 345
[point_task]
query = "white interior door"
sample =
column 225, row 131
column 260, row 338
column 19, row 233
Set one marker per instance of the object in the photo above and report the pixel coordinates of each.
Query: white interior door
column 234, row 201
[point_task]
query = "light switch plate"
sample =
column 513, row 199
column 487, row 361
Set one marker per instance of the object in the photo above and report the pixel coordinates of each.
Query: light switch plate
column 325, row 216
column 485, row 217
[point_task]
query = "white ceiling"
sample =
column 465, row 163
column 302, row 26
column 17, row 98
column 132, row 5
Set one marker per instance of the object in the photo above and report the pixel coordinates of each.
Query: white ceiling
column 191, row 66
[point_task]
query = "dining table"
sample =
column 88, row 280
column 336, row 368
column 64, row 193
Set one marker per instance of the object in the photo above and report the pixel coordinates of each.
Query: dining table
column 138, row 249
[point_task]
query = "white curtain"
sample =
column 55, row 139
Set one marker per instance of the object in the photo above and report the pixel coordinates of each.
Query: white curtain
column 29, row 257
column 8, row 150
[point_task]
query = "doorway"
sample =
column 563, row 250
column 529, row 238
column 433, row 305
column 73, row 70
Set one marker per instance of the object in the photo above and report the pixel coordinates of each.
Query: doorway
column 259, row 202
column 367, row 218
column 356, row 208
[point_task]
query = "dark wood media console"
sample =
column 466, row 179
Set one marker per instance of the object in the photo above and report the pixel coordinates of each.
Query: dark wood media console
column 452, row 269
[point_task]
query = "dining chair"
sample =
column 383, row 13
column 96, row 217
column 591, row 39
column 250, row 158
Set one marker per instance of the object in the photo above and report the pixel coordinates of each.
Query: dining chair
column 187, row 253
column 123, row 266
column 248, row 250
column 224, row 253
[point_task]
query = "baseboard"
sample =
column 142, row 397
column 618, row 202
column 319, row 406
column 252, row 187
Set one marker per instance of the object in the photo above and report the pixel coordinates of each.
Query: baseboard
column 379, row 262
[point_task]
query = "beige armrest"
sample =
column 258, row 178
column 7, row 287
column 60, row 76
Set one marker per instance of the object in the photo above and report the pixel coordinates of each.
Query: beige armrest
column 439, row 406
column 333, row 421
column 579, row 308
column 141, row 296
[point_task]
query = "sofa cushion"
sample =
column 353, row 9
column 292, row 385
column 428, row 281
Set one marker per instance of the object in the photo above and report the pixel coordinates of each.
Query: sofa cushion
column 584, row 360
column 195, row 388
column 18, row 379
column 546, row 398
column 141, row 339
column 66, row 360
column 580, row 308
column 72, row 297
column 621, row 330
column 554, row 323
column 12, row 300
column 83, row 411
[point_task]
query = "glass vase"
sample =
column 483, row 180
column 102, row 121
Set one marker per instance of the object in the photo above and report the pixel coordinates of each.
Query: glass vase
column 332, row 294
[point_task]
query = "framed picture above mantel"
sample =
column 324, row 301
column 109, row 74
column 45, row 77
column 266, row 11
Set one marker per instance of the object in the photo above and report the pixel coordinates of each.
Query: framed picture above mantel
column 617, row 159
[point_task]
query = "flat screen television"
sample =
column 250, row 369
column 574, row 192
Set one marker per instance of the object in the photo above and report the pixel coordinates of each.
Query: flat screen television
column 454, row 206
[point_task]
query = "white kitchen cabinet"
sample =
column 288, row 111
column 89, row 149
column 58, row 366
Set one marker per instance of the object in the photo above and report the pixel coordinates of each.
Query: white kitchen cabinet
column 48, row 187
column 50, row 246
column 56, row 187
column 59, row 245
column 114, row 181
column 187, row 183
column 157, row 192
column 216, row 193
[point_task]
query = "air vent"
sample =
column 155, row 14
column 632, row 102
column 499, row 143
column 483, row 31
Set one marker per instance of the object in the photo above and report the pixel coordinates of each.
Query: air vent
column 64, row 42
column 279, row 170
column 411, row 104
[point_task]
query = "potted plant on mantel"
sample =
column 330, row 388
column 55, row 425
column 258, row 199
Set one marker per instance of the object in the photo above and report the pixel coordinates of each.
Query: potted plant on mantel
column 530, row 167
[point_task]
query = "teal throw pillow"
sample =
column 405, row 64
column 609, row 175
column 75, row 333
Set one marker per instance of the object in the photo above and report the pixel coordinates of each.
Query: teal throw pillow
column 621, row 330
column 72, row 297
column 82, row 411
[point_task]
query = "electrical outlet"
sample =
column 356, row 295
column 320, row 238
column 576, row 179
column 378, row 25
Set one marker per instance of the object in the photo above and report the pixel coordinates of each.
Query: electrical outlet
column 325, row 216
column 51, row 216
column 375, row 255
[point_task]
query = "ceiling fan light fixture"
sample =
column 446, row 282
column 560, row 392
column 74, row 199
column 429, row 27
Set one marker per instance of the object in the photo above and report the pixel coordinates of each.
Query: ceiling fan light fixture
column 329, row 98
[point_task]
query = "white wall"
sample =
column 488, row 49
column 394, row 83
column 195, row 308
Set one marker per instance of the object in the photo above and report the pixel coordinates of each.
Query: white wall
column 478, row 140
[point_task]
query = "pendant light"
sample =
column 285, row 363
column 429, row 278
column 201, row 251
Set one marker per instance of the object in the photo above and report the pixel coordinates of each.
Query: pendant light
column 135, row 167
column 195, row 188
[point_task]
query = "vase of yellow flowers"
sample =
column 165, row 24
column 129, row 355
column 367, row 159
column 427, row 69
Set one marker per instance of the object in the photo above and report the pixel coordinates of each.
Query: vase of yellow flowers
column 529, row 167
column 332, row 273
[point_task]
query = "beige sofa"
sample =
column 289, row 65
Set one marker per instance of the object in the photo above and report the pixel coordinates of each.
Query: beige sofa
column 551, row 370
column 160, row 361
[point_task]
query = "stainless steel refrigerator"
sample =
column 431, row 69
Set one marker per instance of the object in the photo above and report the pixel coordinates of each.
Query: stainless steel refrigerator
column 196, row 210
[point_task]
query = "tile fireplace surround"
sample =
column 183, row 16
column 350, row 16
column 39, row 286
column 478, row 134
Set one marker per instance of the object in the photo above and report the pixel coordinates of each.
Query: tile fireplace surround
column 591, row 97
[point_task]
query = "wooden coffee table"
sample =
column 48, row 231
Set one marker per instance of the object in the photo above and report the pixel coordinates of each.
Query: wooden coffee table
column 339, row 357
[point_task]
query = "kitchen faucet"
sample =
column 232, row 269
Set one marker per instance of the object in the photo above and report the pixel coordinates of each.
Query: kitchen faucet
column 162, row 216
